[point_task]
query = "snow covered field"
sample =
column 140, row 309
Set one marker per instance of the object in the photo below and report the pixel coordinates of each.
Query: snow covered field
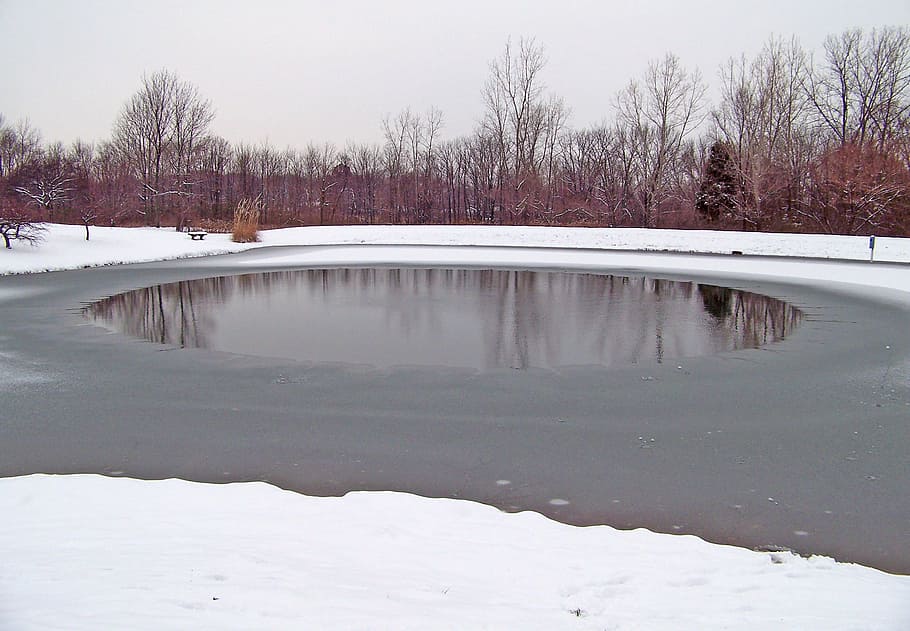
column 89, row 552
column 65, row 246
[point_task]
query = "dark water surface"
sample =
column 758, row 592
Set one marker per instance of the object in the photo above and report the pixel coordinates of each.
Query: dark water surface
column 485, row 319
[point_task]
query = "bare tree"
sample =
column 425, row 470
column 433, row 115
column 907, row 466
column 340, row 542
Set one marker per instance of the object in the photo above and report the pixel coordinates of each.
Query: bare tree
column 659, row 113
column 112, row 176
column 142, row 134
column 414, row 131
column 243, row 168
column 525, row 124
column 366, row 166
column 555, row 114
column 158, row 130
column 81, row 159
column 47, row 180
column 18, row 223
column 513, row 99
column 433, row 123
column 192, row 117
column 885, row 82
column 20, row 144
column 7, row 140
column 216, row 158
column 861, row 90
column 48, row 190
column 396, row 133
column 856, row 189
column 762, row 122
column 420, row 132
column 270, row 168
column 320, row 162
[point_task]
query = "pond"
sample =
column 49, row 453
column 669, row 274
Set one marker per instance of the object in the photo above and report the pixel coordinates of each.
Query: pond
column 468, row 318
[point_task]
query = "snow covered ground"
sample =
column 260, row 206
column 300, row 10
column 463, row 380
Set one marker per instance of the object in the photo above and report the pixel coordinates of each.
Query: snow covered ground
column 90, row 552
column 65, row 246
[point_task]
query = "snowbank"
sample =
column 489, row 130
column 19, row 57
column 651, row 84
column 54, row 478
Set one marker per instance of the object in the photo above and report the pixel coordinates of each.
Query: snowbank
column 89, row 552
column 65, row 246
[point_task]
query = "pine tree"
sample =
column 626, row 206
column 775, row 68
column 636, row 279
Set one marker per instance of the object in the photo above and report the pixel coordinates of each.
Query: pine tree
column 717, row 193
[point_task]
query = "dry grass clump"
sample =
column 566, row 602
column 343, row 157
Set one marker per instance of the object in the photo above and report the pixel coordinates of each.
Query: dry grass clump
column 246, row 222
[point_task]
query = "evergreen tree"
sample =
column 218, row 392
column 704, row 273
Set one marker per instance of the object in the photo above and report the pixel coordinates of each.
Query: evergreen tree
column 717, row 193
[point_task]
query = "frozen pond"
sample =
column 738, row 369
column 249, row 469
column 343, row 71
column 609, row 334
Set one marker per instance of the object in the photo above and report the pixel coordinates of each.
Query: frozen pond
column 483, row 319
column 801, row 444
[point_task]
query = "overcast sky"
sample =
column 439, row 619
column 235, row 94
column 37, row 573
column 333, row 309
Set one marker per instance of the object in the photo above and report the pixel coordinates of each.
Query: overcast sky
column 295, row 72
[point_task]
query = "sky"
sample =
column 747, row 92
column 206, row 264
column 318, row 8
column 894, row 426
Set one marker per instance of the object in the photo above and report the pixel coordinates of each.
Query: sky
column 290, row 73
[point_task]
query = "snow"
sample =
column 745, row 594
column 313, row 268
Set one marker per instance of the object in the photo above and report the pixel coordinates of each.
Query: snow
column 65, row 247
column 89, row 552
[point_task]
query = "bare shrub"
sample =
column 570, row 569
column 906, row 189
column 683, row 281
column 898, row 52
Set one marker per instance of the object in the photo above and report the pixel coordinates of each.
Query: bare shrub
column 18, row 223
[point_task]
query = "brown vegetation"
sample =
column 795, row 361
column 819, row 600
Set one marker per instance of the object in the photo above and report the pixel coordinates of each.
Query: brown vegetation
column 246, row 222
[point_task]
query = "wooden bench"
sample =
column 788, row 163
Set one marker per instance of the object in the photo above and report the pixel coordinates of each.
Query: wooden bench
column 197, row 234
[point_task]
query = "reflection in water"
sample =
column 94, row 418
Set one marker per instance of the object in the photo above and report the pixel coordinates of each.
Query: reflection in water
column 469, row 318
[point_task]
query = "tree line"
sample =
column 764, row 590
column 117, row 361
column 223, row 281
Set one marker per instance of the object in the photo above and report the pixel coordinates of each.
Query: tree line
column 794, row 143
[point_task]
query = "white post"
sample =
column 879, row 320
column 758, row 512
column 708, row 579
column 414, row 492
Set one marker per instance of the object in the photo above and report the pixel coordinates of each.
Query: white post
column 871, row 248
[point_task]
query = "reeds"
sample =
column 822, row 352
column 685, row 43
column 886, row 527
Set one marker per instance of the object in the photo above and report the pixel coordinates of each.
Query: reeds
column 246, row 222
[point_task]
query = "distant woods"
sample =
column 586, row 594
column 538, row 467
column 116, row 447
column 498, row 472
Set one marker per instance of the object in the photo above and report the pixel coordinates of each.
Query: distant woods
column 795, row 143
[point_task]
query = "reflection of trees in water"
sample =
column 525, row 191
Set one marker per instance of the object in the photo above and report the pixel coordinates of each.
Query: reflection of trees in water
column 519, row 318
column 175, row 313
column 748, row 320
column 545, row 319
column 717, row 300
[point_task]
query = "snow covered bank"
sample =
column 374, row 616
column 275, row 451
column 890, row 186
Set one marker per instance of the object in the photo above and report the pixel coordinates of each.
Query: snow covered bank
column 92, row 552
column 88, row 552
column 65, row 247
